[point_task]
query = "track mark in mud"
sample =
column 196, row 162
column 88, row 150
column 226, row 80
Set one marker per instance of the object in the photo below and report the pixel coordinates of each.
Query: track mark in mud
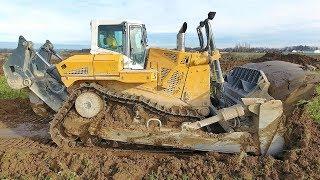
column 22, row 143
column 48, row 145
column 24, row 130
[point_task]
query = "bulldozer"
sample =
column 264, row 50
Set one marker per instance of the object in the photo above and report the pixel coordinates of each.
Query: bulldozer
column 125, row 91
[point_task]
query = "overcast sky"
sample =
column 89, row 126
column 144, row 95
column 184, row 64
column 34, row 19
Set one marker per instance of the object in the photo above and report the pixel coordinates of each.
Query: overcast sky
column 65, row 21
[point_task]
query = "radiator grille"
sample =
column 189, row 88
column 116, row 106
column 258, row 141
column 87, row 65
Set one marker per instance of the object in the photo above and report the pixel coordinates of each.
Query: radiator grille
column 173, row 82
column 81, row 71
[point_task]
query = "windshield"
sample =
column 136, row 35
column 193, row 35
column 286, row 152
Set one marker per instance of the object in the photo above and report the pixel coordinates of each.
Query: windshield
column 111, row 37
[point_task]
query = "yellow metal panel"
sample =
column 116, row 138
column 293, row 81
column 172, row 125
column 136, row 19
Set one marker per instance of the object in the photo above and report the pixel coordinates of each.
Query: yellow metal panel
column 74, row 68
column 183, row 76
column 108, row 78
column 199, row 59
column 138, row 76
column 107, row 64
column 68, row 81
column 175, row 80
column 77, row 65
column 173, row 67
column 106, row 68
column 197, row 86
column 157, row 57
column 107, row 57
column 131, row 76
column 158, row 61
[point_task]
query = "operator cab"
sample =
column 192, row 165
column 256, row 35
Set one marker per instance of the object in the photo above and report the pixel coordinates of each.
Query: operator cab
column 127, row 38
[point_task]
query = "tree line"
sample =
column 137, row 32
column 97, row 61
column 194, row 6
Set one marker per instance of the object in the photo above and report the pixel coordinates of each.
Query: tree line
column 246, row 47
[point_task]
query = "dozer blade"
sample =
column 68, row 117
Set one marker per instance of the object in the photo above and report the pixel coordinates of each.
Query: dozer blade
column 226, row 143
column 266, row 115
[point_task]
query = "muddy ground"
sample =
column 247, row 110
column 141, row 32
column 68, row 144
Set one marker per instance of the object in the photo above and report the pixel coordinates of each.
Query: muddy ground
column 26, row 151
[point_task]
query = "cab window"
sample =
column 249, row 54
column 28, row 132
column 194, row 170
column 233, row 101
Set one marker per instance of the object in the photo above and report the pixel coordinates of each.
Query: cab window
column 137, row 48
column 110, row 37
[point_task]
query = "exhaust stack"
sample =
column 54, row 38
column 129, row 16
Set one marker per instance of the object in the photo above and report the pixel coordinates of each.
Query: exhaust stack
column 181, row 37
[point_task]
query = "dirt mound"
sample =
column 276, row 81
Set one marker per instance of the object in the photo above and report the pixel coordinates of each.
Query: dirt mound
column 302, row 156
column 304, row 60
column 293, row 58
column 229, row 65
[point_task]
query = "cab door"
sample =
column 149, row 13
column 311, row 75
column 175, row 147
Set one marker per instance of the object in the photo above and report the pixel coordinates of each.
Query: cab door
column 137, row 44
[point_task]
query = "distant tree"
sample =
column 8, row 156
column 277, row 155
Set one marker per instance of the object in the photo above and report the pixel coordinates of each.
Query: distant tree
column 299, row 48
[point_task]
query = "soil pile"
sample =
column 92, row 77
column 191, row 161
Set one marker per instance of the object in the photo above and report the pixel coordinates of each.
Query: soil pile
column 303, row 60
column 229, row 65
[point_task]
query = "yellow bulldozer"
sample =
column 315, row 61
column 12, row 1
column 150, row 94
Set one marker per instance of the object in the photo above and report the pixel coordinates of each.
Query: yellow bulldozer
column 124, row 91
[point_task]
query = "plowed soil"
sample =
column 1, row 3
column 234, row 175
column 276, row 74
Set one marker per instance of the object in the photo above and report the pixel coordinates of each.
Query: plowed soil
column 303, row 60
column 24, row 153
column 294, row 58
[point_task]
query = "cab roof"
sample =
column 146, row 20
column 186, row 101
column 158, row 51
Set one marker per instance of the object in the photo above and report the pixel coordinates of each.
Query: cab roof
column 96, row 22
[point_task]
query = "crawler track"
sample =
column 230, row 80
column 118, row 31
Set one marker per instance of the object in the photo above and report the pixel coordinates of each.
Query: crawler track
column 65, row 140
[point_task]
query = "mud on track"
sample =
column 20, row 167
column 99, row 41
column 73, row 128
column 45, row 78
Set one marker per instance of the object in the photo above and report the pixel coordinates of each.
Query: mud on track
column 26, row 153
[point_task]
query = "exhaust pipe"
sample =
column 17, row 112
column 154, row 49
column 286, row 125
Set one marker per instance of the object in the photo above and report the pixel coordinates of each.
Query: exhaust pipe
column 200, row 35
column 181, row 37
